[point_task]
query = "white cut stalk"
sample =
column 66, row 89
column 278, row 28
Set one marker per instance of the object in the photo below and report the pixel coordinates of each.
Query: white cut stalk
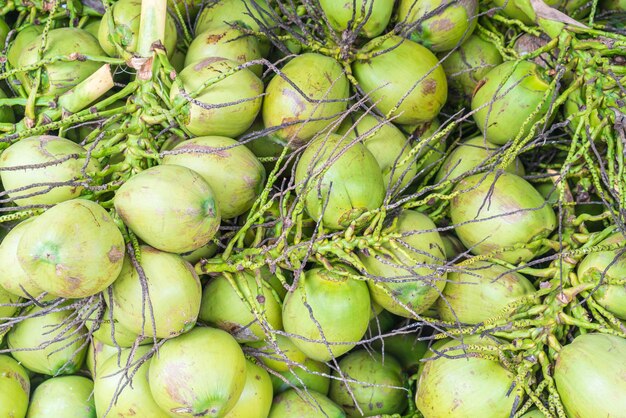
column 87, row 91
column 151, row 25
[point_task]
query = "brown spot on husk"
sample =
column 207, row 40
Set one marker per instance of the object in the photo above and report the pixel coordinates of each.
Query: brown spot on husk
column 429, row 86
column 442, row 25
column 213, row 39
column 207, row 62
column 23, row 383
column 60, row 269
column 115, row 254
column 73, row 283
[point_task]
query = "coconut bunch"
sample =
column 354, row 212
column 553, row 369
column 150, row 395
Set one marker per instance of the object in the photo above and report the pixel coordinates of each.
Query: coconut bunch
column 243, row 208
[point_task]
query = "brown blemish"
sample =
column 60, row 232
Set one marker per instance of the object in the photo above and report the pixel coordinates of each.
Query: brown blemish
column 115, row 254
column 73, row 283
column 207, row 62
column 23, row 383
column 60, row 269
column 213, row 39
column 442, row 25
column 429, row 86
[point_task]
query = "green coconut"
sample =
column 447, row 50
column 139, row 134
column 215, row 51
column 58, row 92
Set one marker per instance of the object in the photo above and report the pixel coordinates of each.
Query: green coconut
column 336, row 305
column 120, row 24
column 461, row 387
column 51, row 161
column 65, row 396
column 340, row 181
column 516, row 213
column 369, row 17
column 369, row 385
column 59, row 76
column 200, row 373
column 173, row 289
column 229, row 98
column 439, row 25
column 306, row 98
column 411, row 283
column 135, row 397
column 480, row 291
column 256, row 399
column 72, row 250
column 506, row 97
column 234, row 173
column 47, row 342
column 411, row 93
column 14, row 388
column 590, row 376
column 309, row 404
column 170, row 207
